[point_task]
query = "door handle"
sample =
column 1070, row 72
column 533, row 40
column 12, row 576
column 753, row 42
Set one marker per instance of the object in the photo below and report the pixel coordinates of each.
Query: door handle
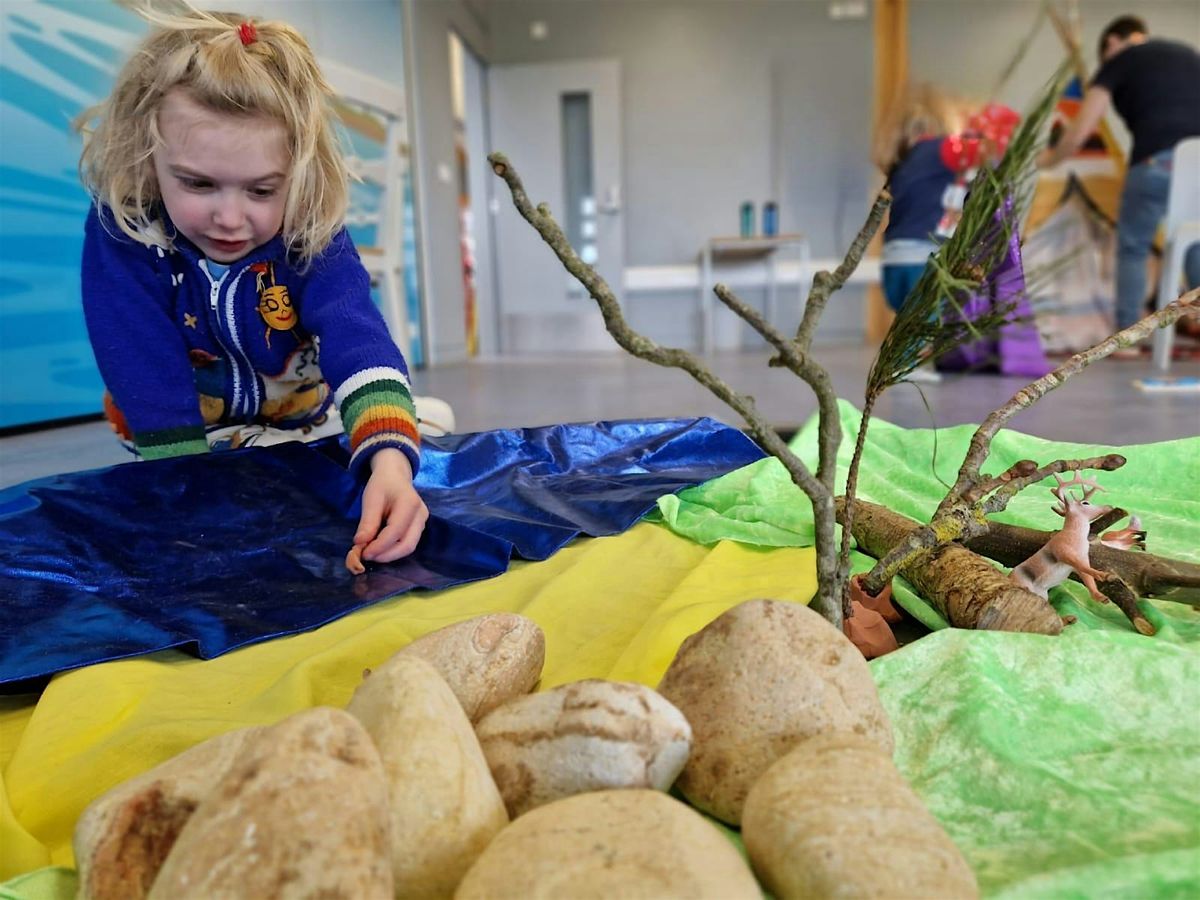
column 611, row 204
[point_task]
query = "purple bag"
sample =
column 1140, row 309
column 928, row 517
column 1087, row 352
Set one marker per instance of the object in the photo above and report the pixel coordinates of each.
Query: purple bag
column 1017, row 349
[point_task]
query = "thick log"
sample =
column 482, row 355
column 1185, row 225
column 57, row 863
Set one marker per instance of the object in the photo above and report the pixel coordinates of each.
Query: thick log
column 965, row 588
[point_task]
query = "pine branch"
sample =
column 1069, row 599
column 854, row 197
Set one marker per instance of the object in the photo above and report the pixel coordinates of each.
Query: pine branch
column 932, row 319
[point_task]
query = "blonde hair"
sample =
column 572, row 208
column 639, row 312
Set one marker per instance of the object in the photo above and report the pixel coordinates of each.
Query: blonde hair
column 922, row 110
column 203, row 53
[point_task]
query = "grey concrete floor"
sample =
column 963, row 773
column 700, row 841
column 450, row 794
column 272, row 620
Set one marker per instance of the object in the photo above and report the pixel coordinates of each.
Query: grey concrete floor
column 1100, row 406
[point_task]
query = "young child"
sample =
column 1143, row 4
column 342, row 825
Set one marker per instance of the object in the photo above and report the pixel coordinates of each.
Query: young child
column 921, row 183
column 221, row 290
column 930, row 151
column 930, row 155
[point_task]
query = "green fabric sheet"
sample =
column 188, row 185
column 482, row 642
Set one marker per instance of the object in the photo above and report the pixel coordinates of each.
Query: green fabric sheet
column 1062, row 767
column 759, row 504
column 50, row 883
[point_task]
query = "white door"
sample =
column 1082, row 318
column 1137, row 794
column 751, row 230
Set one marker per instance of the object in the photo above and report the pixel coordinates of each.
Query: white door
column 560, row 126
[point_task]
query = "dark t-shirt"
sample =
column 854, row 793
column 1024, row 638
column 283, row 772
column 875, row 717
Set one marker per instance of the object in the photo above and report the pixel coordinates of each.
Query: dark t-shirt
column 918, row 182
column 1155, row 87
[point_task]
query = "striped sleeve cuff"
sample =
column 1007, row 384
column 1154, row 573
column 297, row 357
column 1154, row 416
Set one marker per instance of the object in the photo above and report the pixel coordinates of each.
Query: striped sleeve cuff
column 171, row 442
column 377, row 411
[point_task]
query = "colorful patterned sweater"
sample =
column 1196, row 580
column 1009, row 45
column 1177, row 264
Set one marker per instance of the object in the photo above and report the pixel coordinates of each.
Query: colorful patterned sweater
column 180, row 350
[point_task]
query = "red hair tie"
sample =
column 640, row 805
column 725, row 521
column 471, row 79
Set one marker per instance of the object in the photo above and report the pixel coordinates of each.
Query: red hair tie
column 248, row 33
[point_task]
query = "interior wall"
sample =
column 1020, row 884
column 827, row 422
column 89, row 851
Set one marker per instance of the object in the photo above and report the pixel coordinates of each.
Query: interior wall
column 723, row 101
column 700, row 83
column 733, row 100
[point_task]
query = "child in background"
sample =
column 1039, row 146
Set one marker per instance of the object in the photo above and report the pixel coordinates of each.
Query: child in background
column 929, row 151
column 921, row 183
column 222, row 294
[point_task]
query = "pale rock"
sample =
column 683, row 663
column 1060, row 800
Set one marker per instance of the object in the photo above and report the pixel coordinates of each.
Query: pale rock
column 444, row 805
column 755, row 682
column 485, row 660
column 125, row 834
column 586, row 736
column 301, row 812
column 834, row 818
column 632, row 844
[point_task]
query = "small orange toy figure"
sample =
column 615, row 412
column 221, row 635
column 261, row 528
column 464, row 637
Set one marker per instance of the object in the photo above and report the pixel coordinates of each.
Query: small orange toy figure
column 869, row 629
column 354, row 560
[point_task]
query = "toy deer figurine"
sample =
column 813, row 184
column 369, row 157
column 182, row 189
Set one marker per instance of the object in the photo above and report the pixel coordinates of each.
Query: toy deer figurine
column 1067, row 551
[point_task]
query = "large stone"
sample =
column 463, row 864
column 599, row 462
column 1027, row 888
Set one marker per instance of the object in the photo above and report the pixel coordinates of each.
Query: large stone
column 444, row 805
column 754, row 683
column 585, row 736
column 301, row 812
column 125, row 834
column 834, row 818
column 485, row 660
column 635, row 844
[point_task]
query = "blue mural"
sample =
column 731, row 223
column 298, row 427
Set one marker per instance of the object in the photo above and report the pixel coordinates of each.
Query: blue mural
column 55, row 61
column 57, row 58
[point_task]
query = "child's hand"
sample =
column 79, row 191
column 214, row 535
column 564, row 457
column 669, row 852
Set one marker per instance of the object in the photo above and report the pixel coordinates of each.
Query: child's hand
column 393, row 514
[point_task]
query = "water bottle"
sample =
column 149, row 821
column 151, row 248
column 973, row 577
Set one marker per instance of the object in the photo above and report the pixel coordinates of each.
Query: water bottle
column 747, row 229
column 770, row 219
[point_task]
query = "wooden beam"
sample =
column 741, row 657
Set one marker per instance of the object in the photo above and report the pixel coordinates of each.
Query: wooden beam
column 891, row 78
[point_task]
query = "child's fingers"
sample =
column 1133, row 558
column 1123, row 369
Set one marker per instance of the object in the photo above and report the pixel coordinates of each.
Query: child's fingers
column 371, row 518
column 400, row 536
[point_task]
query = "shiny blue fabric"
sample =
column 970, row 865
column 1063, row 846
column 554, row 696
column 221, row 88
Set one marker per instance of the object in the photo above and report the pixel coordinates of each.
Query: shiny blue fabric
column 218, row 551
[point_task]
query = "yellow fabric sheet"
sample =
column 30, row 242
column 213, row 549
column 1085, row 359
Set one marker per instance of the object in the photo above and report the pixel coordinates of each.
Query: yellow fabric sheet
column 615, row 607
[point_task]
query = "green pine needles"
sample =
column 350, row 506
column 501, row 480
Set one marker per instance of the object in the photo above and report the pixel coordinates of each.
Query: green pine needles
column 931, row 320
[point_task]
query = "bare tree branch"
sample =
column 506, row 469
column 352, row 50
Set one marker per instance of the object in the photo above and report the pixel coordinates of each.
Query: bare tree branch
column 754, row 319
column 967, row 590
column 1005, row 491
column 829, row 586
column 829, row 428
column 826, row 283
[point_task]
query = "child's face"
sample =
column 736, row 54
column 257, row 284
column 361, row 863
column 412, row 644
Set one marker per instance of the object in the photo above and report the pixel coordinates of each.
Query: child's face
column 223, row 178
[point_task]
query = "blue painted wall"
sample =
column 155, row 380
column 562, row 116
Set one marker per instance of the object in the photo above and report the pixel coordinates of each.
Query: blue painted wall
column 56, row 58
